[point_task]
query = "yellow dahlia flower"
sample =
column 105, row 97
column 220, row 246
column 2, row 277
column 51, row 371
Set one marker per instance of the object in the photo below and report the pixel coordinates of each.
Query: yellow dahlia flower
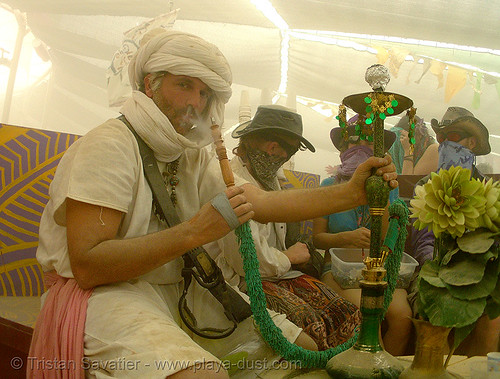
column 449, row 202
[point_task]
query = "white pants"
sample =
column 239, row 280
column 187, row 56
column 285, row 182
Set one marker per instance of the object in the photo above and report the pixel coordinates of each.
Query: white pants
column 133, row 330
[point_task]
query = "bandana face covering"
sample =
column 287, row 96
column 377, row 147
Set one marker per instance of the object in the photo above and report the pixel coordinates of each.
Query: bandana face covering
column 352, row 158
column 265, row 167
column 454, row 154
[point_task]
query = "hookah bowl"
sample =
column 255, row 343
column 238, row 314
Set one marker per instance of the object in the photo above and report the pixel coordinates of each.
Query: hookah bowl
column 366, row 358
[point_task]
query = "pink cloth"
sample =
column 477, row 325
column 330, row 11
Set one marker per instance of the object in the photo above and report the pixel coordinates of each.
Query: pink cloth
column 56, row 349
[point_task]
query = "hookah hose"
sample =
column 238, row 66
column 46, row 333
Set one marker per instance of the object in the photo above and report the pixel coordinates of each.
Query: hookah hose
column 271, row 333
column 395, row 239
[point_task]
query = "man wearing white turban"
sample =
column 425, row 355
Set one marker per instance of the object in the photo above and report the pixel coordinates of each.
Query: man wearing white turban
column 112, row 265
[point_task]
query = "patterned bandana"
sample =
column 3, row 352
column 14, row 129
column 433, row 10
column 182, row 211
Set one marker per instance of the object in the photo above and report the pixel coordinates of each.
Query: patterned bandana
column 351, row 159
column 265, row 167
column 454, row 154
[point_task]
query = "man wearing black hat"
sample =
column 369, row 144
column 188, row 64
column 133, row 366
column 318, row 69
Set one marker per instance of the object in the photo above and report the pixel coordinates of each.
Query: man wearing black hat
column 461, row 138
column 266, row 142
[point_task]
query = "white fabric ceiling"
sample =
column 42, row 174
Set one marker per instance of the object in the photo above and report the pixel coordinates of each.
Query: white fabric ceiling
column 83, row 36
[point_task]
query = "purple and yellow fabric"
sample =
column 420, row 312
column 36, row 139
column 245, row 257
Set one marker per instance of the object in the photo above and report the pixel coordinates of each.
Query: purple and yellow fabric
column 298, row 179
column 28, row 160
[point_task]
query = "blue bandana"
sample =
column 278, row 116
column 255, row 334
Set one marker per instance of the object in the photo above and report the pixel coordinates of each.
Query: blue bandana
column 454, row 154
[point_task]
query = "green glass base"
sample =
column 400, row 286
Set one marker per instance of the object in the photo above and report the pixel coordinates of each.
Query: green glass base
column 359, row 364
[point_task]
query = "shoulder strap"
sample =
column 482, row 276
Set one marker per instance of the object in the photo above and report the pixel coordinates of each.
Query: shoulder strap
column 160, row 195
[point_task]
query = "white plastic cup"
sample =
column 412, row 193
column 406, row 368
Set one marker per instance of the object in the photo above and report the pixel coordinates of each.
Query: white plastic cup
column 493, row 362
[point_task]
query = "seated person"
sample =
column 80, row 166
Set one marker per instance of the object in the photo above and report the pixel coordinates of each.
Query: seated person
column 351, row 229
column 461, row 138
column 424, row 157
column 266, row 142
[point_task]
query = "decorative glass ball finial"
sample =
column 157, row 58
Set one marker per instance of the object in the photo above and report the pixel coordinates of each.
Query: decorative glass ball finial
column 377, row 76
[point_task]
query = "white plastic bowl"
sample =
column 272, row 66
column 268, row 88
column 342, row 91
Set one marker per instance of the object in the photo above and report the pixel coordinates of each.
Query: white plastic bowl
column 348, row 263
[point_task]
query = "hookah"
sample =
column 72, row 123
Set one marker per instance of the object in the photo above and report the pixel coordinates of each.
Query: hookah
column 362, row 356
column 367, row 358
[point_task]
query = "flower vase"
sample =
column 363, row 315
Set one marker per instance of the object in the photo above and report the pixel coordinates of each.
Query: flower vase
column 430, row 348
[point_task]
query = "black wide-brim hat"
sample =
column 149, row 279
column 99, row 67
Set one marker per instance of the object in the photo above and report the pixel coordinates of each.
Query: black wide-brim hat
column 460, row 119
column 341, row 144
column 277, row 118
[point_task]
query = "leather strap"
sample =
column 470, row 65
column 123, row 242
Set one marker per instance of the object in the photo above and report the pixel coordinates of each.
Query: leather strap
column 155, row 181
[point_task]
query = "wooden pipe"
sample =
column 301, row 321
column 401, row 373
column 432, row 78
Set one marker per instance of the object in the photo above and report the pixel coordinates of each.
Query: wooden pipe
column 221, row 152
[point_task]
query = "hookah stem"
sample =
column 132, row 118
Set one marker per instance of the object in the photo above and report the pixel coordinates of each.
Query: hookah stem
column 378, row 138
column 372, row 288
column 376, row 220
column 221, row 152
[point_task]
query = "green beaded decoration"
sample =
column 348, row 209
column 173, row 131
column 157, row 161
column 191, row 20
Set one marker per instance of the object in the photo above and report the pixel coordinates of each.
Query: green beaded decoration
column 379, row 105
column 342, row 117
column 411, row 130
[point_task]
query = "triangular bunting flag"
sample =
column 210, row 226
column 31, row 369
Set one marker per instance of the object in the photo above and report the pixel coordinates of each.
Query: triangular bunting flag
column 455, row 81
column 382, row 55
column 425, row 67
column 437, row 69
column 397, row 57
column 476, row 99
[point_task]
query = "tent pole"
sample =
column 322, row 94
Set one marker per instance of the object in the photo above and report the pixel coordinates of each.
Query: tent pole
column 21, row 33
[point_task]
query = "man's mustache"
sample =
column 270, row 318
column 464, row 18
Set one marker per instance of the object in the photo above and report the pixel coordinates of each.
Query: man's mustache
column 192, row 113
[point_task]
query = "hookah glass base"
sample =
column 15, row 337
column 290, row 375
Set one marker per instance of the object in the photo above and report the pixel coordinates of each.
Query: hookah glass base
column 358, row 364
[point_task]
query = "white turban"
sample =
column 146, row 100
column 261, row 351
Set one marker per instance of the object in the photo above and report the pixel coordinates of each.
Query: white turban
column 181, row 53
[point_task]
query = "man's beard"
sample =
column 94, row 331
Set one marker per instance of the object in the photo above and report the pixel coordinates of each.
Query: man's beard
column 186, row 121
column 181, row 119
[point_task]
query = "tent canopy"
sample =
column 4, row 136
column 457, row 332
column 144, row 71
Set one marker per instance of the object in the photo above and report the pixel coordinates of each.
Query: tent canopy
column 308, row 54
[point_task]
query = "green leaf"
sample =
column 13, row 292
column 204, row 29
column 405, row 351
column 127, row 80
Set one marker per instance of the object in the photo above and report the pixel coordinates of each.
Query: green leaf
column 476, row 242
column 443, row 309
column 461, row 333
column 462, row 273
column 482, row 289
column 492, row 308
column 495, row 294
column 484, row 258
column 447, row 257
column 429, row 273
column 421, row 307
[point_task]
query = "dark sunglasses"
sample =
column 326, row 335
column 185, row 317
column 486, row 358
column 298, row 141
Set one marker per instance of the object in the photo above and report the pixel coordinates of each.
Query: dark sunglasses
column 289, row 149
column 453, row 136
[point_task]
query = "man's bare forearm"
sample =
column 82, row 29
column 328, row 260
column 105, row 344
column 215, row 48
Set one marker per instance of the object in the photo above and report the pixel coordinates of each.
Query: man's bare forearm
column 299, row 204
